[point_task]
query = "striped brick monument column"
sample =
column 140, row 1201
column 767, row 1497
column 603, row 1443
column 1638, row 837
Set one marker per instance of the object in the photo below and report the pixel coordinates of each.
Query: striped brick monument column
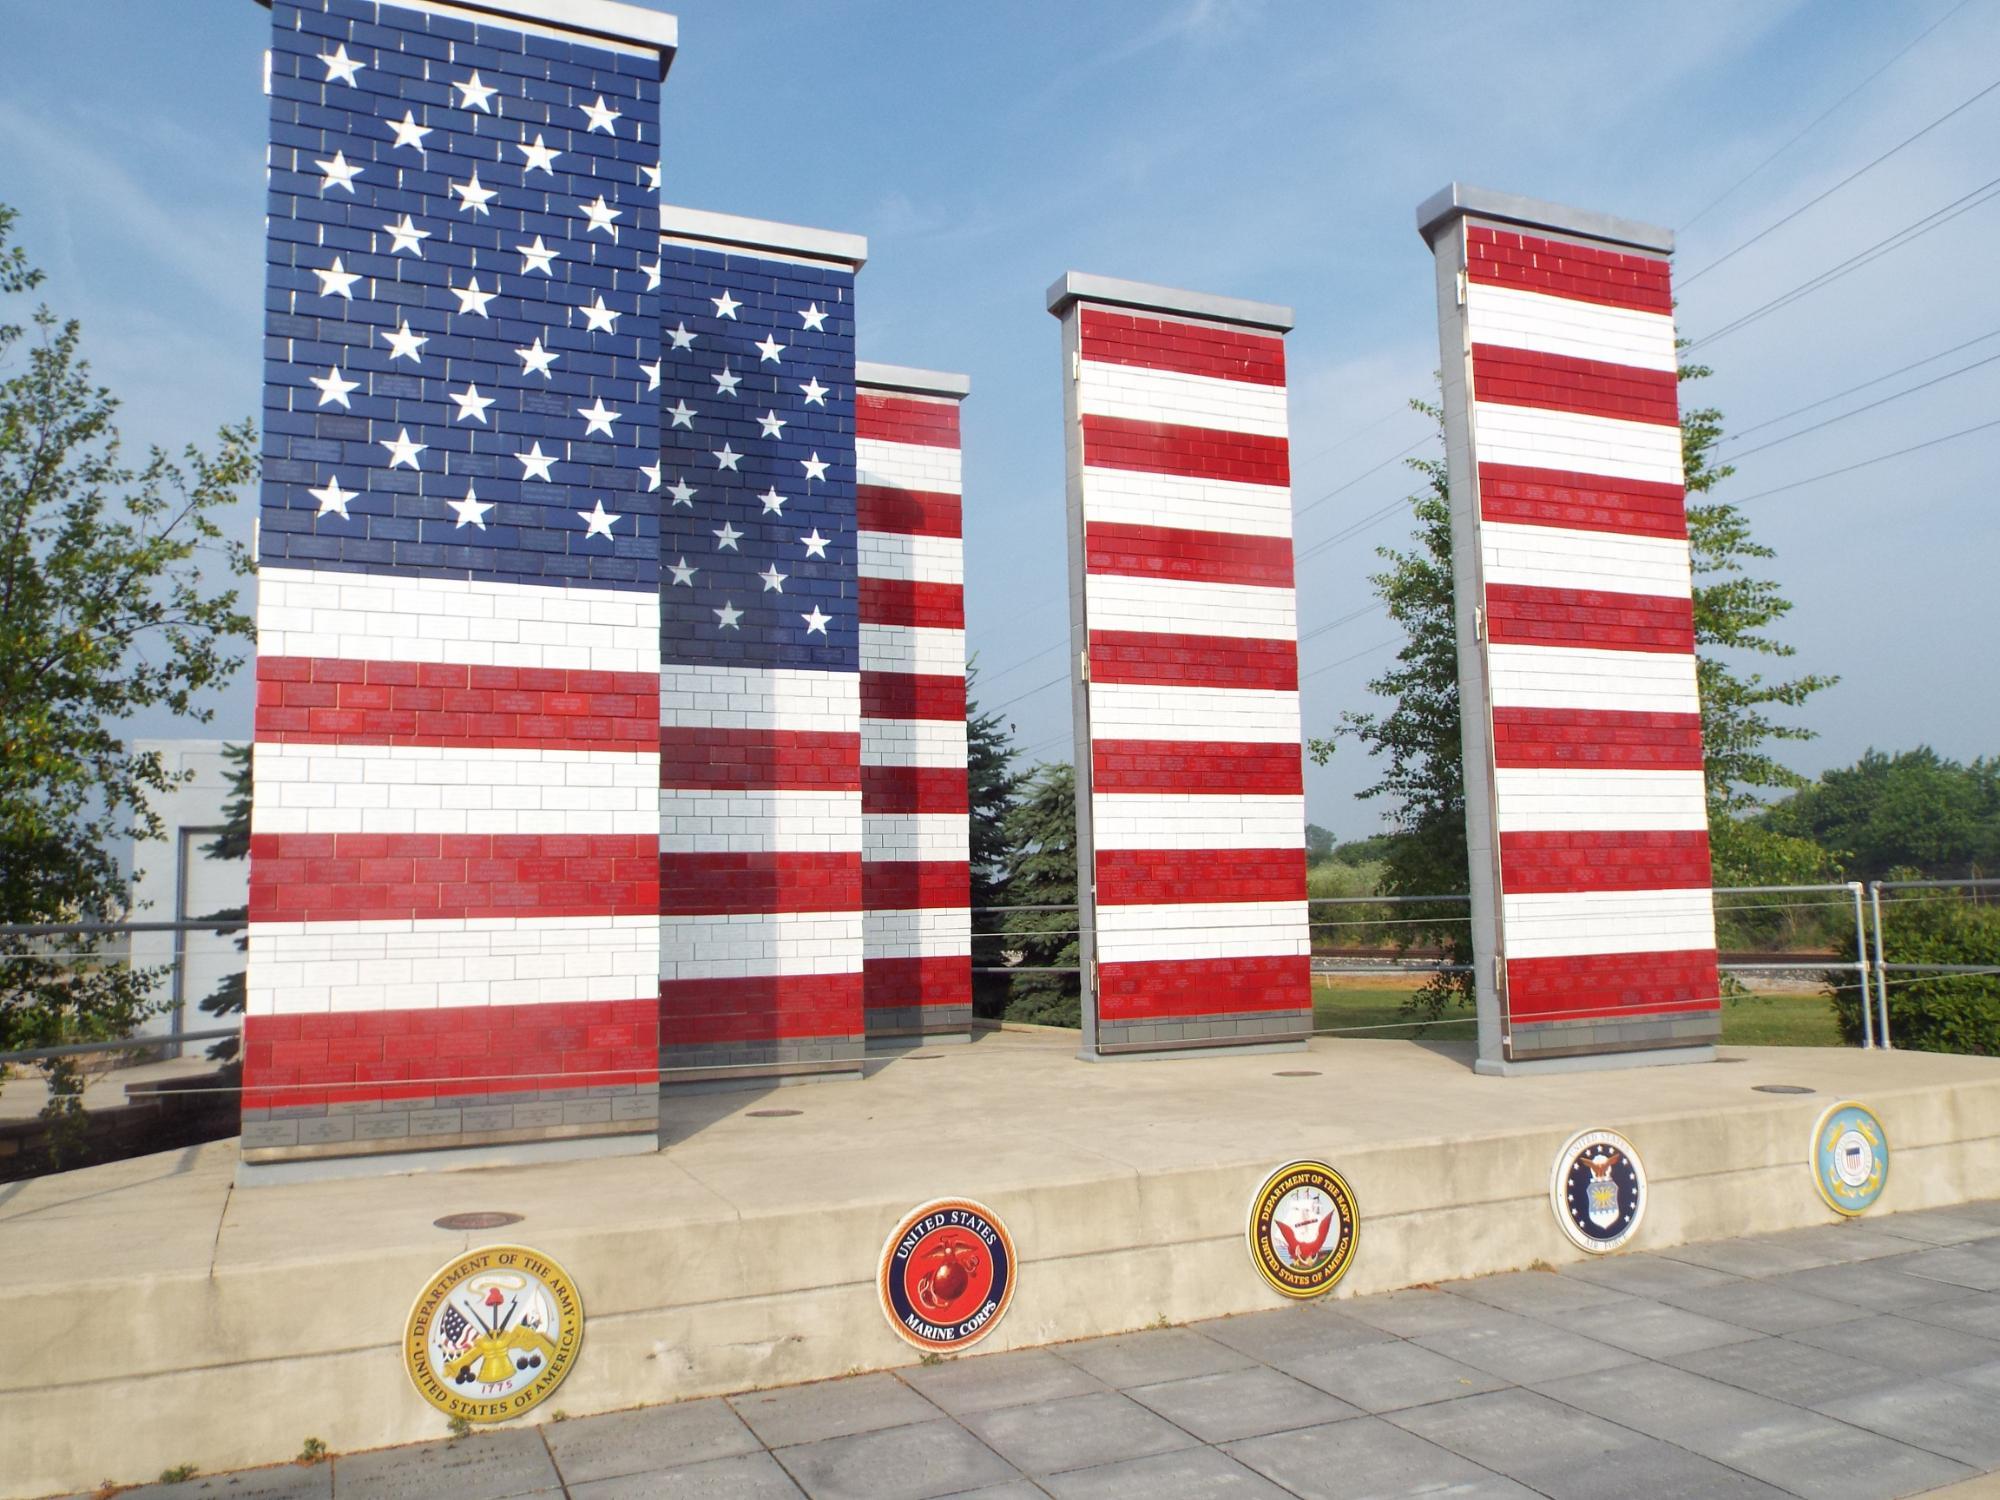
column 1592, row 922
column 761, row 646
column 453, row 893
column 1190, row 813
column 915, row 851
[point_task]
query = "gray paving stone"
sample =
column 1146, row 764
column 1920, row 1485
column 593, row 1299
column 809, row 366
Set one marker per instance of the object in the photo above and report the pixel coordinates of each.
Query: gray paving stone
column 1934, row 1414
column 1846, row 1243
column 915, row 1462
column 1880, row 1286
column 749, row 1476
column 1787, row 1371
column 1978, row 1314
column 1654, row 1329
column 1523, row 1351
column 1191, row 1474
column 1287, row 1333
column 1384, row 1377
column 1534, row 1294
column 1021, row 1377
column 1976, row 1268
column 1938, row 1226
column 1763, row 1256
column 1902, row 1344
column 280, row 1482
column 1763, row 1307
column 1423, row 1310
column 652, row 1438
column 1978, row 1378
column 1369, row 1459
column 1240, row 1404
column 1645, row 1275
column 485, row 1466
column 1151, row 1356
column 1662, row 1401
column 831, row 1408
column 1078, row 1432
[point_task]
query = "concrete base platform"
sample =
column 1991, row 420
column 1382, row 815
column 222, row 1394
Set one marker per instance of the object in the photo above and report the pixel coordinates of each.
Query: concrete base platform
column 154, row 1316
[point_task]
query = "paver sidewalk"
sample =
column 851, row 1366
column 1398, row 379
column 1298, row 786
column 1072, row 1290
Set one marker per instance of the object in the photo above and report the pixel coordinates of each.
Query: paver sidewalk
column 1856, row 1360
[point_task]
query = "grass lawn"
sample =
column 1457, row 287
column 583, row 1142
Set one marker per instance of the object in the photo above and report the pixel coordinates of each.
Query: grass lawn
column 1769, row 1020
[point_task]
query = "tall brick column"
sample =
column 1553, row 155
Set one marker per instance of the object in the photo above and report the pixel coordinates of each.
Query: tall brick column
column 915, row 880
column 453, row 893
column 1190, row 806
column 761, row 646
column 1593, row 931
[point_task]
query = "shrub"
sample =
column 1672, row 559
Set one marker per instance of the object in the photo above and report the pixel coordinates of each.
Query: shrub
column 1934, row 1013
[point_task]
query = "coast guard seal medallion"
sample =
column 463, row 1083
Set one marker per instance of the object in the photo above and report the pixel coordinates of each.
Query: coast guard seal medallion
column 494, row 1333
column 947, row 1275
column 1302, row 1228
column 1850, row 1158
column 1598, row 1190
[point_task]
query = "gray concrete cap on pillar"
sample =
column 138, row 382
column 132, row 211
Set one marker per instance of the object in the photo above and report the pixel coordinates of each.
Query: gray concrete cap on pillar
column 733, row 232
column 1450, row 203
column 916, row 382
column 1080, row 286
column 634, row 25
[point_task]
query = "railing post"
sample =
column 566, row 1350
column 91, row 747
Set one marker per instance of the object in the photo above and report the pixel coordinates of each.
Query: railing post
column 1881, row 968
column 1861, row 965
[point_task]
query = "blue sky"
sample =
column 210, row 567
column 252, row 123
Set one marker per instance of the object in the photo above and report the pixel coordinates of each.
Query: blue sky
column 1262, row 150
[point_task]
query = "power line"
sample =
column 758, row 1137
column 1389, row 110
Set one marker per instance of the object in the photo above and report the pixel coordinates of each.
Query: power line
column 1355, row 528
column 1799, row 411
column 1350, row 484
column 1361, row 432
column 1882, row 458
column 1364, row 651
column 1689, row 280
column 992, row 677
column 1821, row 118
column 1020, row 697
column 1899, row 395
column 1346, row 619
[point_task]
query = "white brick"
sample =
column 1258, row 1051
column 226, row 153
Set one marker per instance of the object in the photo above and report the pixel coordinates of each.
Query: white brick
column 1136, row 393
column 1520, row 319
column 1649, row 451
column 1570, row 924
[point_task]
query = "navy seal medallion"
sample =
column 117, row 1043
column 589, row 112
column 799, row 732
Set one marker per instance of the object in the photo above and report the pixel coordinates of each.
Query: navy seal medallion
column 493, row 1334
column 1302, row 1228
column 1598, row 1190
column 947, row 1275
column 1850, row 1158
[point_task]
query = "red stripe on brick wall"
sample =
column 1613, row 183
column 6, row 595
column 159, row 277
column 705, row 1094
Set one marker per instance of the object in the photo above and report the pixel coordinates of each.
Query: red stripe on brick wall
column 324, row 700
column 914, row 884
column 1561, row 382
column 905, row 601
column 1653, row 860
column 1133, row 656
column 1157, row 767
column 1581, row 502
column 1612, row 278
column 913, row 789
column 1225, row 353
column 1533, row 737
column 763, row 1008
column 1187, row 556
column 1601, row 986
column 328, row 877
column 708, row 885
column 1522, row 615
column 911, row 695
column 878, row 507
column 1150, row 877
column 1191, row 452
column 1202, row 987
column 905, row 419
column 909, row 983
column 759, row 760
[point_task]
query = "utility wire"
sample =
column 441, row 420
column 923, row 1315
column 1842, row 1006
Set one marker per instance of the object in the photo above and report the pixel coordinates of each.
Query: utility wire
column 1022, row 697
column 1823, row 117
column 1799, row 411
column 1364, row 651
column 1346, row 619
column 1686, row 281
column 1865, row 463
column 1899, row 395
column 1350, row 484
column 987, row 679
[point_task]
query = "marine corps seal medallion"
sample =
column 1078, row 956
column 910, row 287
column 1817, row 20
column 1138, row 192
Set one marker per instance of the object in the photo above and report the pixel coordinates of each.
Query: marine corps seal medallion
column 494, row 1333
column 1598, row 1190
column 947, row 1275
column 1302, row 1228
column 1850, row 1158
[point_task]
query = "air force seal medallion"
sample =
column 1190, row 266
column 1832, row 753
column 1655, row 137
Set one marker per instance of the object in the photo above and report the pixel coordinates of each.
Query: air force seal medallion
column 1850, row 1158
column 947, row 1275
column 1302, row 1228
column 493, row 1334
column 1598, row 1190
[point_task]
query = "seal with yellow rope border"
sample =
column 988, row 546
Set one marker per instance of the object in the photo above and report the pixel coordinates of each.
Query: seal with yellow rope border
column 1303, row 1224
column 494, row 1333
column 1850, row 1158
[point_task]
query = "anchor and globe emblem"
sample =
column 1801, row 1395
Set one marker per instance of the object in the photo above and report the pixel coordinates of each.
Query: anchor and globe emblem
column 493, row 1333
column 1598, row 1190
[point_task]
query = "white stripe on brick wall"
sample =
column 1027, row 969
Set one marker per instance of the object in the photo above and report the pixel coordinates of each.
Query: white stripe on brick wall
column 912, row 648
column 1590, row 799
column 747, row 946
column 1138, row 394
column 1128, row 497
column 1120, row 601
column 936, row 932
column 1227, row 821
column 1217, row 929
column 1569, row 924
column 1610, row 446
column 321, row 967
column 701, row 821
column 1128, row 711
column 915, row 836
column 389, row 789
column 896, row 554
column 1554, row 557
column 913, row 742
column 1577, row 677
column 460, row 622
column 907, row 466
column 693, row 697
column 1549, row 324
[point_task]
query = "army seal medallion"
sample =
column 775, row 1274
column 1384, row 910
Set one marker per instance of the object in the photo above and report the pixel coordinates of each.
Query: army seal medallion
column 1850, row 1158
column 947, row 1275
column 1598, row 1190
column 493, row 1333
column 1302, row 1228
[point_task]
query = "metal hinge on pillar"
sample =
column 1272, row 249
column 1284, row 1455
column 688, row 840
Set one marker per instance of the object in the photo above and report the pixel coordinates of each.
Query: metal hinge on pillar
column 1075, row 366
column 1479, row 622
column 1461, row 288
column 1083, row 666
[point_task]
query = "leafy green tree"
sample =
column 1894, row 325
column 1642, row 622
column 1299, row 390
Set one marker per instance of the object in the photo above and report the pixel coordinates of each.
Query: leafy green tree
column 107, row 606
column 232, row 841
column 1913, row 810
column 1041, row 872
column 1934, row 1012
column 1319, row 843
column 992, row 784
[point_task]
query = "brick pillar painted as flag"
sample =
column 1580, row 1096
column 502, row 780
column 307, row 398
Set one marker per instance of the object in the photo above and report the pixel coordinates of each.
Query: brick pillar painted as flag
column 915, row 881
column 761, row 646
column 453, row 887
column 1592, row 920
column 1190, row 813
